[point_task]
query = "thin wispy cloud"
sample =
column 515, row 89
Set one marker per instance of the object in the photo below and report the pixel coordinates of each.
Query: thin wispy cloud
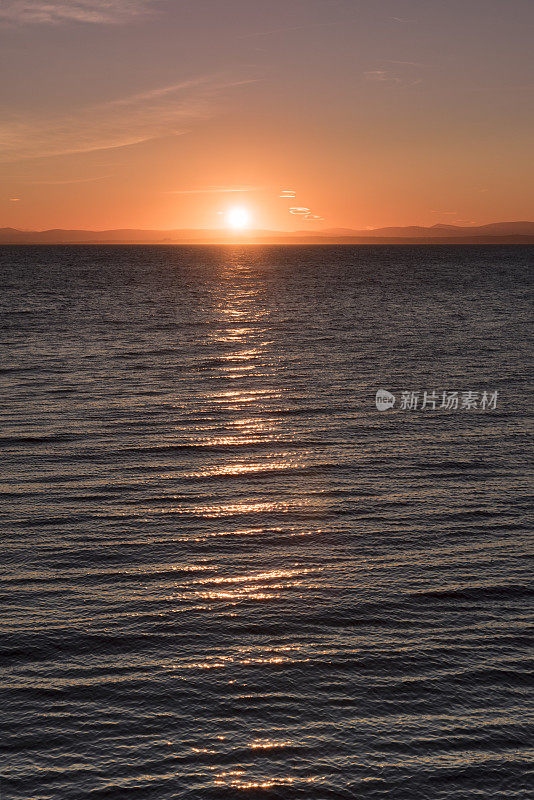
column 407, row 63
column 387, row 76
column 164, row 111
column 65, row 183
column 380, row 75
column 305, row 213
column 85, row 11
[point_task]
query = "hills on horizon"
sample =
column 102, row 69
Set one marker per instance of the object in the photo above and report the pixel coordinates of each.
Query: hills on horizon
column 521, row 232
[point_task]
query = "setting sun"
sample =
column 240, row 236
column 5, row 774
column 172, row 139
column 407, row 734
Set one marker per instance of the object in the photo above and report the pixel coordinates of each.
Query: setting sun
column 237, row 218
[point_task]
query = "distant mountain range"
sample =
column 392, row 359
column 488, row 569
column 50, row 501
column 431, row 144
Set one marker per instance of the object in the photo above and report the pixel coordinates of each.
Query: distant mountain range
column 494, row 233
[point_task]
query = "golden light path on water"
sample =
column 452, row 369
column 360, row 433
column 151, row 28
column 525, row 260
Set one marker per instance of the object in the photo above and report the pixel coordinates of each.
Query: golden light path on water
column 240, row 334
column 248, row 351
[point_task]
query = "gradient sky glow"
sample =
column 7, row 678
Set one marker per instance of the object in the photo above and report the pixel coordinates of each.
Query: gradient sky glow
column 167, row 113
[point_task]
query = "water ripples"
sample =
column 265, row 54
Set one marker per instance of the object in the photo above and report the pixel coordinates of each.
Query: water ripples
column 227, row 575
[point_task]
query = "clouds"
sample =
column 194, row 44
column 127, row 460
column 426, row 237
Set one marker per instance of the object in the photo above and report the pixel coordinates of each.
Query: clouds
column 130, row 120
column 305, row 213
column 380, row 75
column 404, row 73
column 84, row 11
column 64, row 183
column 299, row 211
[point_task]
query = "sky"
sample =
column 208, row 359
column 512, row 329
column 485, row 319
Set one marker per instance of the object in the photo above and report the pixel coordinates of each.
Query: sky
column 281, row 115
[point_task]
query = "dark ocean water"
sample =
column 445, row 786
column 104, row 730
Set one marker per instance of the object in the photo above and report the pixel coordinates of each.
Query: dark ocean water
column 228, row 575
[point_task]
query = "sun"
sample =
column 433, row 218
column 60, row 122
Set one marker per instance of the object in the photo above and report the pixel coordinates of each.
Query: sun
column 237, row 218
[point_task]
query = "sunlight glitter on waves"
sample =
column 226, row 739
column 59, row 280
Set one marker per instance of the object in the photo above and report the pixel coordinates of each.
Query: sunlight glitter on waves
column 248, row 396
column 230, row 509
column 243, row 439
column 232, row 369
column 247, row 308
column 253, row 423
column 270, row 744
column 240, row 398
column 258, row 744
column 274, row 574
column 233, row 780
column 238, row 596
column 213, row 511
column 245, row 469
column 286, row 532
column 243, row 426
column 241, row 355
column 239, row 337
column 233, row 332
column 239, row 297
column 229, row 441
column 246, row 658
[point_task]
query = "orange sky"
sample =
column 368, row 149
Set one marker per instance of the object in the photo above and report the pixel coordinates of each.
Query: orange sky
column 146, row 114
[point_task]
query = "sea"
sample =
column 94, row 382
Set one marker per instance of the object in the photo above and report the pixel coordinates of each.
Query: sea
column 228, row 573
